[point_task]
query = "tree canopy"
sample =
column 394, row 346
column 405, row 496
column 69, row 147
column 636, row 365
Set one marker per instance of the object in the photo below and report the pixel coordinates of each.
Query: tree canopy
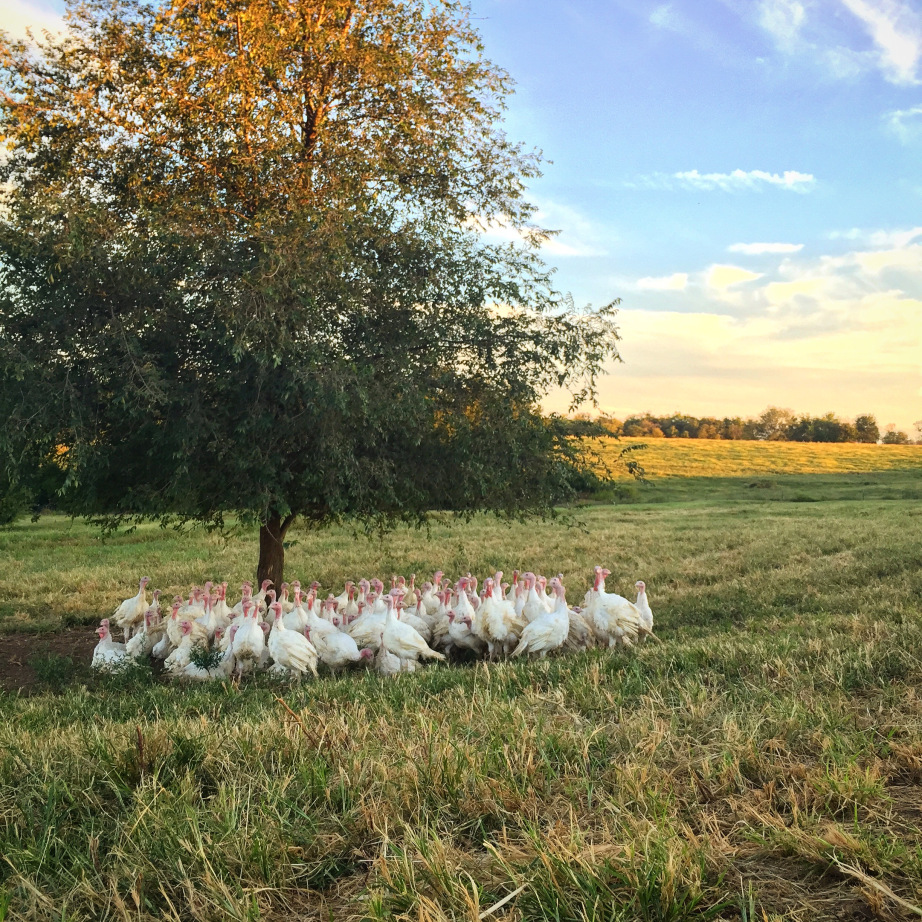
column 242, row 269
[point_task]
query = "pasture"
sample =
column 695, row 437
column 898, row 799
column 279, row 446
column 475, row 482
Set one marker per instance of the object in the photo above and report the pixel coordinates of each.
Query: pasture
column 671, row 458
column 762, row 762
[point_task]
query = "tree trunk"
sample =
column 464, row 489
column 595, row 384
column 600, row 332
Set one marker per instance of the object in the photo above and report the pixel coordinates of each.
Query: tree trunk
column 272, row 550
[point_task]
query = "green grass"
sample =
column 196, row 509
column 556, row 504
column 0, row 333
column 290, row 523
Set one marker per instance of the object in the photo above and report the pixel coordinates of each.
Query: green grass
column 752, row 765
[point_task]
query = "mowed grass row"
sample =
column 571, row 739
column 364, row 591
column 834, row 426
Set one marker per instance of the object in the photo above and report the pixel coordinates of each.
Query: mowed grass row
column 763, row 761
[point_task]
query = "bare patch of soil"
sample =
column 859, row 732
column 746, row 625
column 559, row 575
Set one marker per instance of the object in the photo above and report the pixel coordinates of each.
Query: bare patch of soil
column 19, row 651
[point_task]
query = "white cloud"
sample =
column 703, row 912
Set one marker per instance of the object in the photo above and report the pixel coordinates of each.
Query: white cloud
column 578, row 236
column 779, row 293
column 906, row 124
column 18, row 15
column 879, row 239
column 664, row 17
column 839, row 332
column 783, row 19
column 758, row 249
column 896, row 30
column 745, row 180
column 894, row 238
column 675, row 282
column 723, row 277
column 845, row 63
column 906, row 257
column 805, row 28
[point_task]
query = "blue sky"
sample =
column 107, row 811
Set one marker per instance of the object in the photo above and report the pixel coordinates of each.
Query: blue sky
column 746, row 175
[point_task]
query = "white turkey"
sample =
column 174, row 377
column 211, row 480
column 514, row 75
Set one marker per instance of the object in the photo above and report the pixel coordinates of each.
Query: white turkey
column 291, row 652
column 534, row 605
column 174, row 623
column 367, row 627
column 411, row 599
column 417, row 620
column 260, row 597
column 512, row 594
column 429, row 598
column 497, row 620
column 643, row 606
column 246, row 595
column 614, row 619
column 582, row 634
column 461, row 635
column 334, row 647
column 224, row 612
column 195, row 606
column 376, row 598
column 402, row 640
column 548, row 631
column 386, row 663
column 130, row 613
column 249, row 641
column 222, row 670
column 143, row 641
column 155, row 602
column 297, row 618
column 108, row 654
column 441, row 622
column 547, row 600
column 177, row 661
column 209, row 619
column 461, row 621
column 343, row 599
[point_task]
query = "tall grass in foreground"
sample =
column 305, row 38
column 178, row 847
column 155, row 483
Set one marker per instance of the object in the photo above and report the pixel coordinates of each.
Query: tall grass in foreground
column 764, row 761
column 655, row 787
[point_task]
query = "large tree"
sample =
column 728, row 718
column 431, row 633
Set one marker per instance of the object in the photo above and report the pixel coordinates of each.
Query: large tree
column 243, row 269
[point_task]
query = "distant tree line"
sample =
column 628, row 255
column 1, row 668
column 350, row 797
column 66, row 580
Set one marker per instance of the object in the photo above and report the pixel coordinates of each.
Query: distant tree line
column 775, row 424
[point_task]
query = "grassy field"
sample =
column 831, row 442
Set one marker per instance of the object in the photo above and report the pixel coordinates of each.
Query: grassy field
column 667, row 458
column 762, row 762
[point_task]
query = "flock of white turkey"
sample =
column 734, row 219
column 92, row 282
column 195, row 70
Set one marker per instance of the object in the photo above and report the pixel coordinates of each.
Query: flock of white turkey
column 204, row 638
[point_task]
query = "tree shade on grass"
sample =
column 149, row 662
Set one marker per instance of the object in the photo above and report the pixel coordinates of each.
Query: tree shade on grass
column 242, row 271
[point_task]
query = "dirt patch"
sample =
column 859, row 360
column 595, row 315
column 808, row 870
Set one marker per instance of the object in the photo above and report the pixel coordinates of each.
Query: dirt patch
column 799, row 893
column 19, row 651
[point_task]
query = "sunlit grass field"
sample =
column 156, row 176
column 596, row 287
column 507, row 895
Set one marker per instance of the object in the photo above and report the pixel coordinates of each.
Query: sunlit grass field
column 763, row 761
column 666, row 458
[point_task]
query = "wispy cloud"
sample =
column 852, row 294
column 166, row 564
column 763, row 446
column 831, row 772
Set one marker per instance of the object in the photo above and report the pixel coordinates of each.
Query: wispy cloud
column 571, row 234
column 735, row 181
column 675, row 282
column 694, row 24
column 906, row 124
column 879, row 239
column 723, row 277
column 664, row 16
column 838, row 332
column 759, row 249
column 742, row 179
column 814, row 32
column 896, row 30
column 783, row 20
column 907, row 258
